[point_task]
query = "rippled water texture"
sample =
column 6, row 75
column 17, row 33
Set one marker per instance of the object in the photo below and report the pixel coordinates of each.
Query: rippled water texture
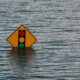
column 56, row 55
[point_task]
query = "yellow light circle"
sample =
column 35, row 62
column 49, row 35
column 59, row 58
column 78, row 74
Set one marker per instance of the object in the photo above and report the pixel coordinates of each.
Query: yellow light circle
column 21, row 39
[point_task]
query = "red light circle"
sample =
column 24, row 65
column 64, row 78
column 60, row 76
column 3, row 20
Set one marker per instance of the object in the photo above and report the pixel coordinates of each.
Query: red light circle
column 21, row 32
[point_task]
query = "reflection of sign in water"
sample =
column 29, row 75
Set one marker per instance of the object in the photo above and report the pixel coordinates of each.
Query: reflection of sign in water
column 20, row 57
column 22, row 37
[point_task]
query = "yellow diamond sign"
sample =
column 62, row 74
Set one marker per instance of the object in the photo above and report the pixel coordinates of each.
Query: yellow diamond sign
column 22, row 37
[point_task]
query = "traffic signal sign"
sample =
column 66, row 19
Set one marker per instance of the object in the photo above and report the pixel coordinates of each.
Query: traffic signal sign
column 22, row 37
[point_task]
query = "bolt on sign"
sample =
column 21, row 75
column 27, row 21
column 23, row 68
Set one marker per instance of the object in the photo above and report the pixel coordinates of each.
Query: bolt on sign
column 21, row 38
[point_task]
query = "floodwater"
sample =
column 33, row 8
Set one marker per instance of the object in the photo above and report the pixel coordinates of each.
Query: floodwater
column 56, row 55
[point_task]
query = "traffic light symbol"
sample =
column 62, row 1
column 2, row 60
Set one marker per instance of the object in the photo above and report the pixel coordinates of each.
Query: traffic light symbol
column 21, row 38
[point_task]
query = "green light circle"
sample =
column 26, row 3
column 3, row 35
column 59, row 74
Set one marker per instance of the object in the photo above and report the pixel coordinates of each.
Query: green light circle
column 21, row 45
